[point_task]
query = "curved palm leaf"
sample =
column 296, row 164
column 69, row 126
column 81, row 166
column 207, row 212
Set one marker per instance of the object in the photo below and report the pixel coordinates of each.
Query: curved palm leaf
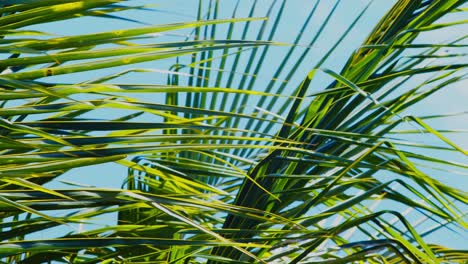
column 236, row 160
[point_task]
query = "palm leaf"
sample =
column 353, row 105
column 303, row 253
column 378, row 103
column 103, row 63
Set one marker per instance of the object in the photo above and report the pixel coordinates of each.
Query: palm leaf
column 257, row 148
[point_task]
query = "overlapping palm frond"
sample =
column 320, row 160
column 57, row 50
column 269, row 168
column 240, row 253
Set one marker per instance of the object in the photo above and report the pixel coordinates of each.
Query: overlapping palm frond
column 256, row 149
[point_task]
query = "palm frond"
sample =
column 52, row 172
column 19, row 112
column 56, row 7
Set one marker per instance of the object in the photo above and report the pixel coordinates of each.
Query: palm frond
column 256, row 147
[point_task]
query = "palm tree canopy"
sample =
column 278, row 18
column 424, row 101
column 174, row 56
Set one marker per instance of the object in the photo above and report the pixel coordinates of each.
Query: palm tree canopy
column 262, row 132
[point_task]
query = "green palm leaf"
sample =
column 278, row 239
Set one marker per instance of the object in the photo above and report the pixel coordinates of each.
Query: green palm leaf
column 256, row 148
